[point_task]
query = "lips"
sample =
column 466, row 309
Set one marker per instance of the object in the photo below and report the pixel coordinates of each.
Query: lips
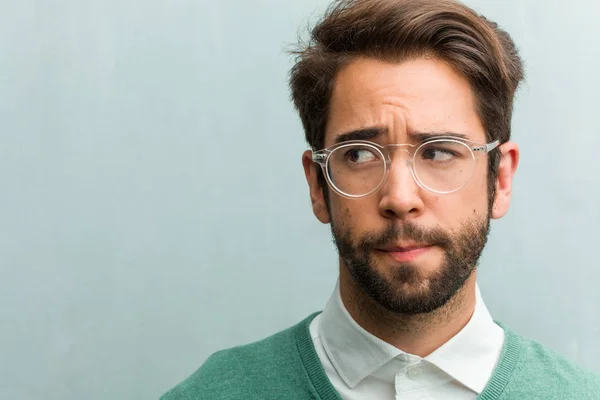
column 405, row 252
column 404, row 247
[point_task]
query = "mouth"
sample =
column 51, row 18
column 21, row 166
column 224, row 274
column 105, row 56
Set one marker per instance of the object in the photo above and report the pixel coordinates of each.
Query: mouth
column 405, row 252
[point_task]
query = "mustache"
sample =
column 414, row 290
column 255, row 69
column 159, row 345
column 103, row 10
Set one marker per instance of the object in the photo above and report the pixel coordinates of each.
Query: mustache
column 407, row 231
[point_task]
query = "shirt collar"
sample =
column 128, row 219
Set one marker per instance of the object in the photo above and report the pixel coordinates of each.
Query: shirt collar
column 469, row 357
column 472, row 354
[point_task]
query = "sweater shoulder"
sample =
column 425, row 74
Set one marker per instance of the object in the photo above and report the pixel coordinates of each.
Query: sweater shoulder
column 543, row 373
column 271, row 365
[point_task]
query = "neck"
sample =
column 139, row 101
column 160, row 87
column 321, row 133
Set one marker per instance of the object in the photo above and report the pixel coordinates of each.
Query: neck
column 419, row 334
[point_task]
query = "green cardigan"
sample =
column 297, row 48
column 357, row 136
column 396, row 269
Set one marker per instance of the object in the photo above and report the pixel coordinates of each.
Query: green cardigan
column 286, row 366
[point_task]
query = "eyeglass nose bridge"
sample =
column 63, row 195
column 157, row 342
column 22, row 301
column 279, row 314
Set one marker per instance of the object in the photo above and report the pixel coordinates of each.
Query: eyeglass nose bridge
column 409, row 149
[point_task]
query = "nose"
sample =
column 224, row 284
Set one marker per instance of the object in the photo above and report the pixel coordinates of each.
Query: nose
column 400, row 196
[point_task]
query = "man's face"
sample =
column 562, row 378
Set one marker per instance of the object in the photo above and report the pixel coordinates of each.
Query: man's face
column 407, row 248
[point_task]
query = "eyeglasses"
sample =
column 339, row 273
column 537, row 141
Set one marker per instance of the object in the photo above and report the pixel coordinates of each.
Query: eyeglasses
column 442, row 165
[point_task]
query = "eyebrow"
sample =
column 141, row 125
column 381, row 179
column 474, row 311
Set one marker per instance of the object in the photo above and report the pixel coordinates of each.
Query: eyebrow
column 362, row 134
column 422, row 136
column 379, row 131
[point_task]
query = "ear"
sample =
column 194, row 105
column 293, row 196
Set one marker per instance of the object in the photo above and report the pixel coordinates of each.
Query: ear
column 316, row 192
column 506, row 171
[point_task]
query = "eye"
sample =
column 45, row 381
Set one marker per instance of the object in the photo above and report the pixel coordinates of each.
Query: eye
column 360, row 155
column 438, row 154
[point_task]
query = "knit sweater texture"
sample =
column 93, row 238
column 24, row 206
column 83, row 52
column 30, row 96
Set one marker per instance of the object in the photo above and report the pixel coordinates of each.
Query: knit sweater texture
column 285, row 366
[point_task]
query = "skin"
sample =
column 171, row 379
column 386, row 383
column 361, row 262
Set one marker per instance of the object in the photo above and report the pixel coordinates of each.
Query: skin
column 418, row 95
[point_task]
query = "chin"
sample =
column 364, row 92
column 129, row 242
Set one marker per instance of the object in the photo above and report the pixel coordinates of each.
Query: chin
column 408, row 288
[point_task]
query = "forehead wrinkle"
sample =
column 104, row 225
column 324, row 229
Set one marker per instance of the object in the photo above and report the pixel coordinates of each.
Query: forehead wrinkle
column 398, row 124
column 414, row 134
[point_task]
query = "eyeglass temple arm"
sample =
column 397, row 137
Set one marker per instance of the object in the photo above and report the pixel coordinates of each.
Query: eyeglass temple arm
column 319, row 158
column 487, row 147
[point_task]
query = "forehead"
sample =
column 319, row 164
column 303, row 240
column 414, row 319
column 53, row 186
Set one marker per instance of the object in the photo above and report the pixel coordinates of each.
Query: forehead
column 414, row 96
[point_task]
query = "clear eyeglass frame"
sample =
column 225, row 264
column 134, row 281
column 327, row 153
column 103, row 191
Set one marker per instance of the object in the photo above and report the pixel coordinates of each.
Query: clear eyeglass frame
column 321, row 157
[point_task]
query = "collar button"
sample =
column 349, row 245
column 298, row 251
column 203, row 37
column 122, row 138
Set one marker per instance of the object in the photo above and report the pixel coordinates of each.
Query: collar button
column 415, row 373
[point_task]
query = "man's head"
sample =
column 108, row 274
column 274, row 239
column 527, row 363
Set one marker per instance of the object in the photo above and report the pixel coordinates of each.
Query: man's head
column 403, row 70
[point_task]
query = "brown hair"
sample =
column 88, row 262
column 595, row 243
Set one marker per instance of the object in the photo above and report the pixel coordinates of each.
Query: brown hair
column 396, row 30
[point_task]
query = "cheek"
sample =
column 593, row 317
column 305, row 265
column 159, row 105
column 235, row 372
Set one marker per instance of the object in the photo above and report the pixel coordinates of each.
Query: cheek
column 474, row 195
column 353, row 214
column 339, row 209
column 451, row 210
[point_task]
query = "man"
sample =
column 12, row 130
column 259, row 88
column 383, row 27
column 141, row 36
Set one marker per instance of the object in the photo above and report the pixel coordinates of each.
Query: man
column 407, row 106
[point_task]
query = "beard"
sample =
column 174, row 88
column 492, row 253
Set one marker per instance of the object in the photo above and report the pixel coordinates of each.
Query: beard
column 404, row 292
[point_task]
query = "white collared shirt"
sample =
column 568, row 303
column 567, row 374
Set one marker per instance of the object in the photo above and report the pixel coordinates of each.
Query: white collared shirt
column 362, row 366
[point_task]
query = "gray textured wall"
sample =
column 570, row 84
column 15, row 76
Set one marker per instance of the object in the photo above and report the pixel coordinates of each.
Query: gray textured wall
column 153, row 207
